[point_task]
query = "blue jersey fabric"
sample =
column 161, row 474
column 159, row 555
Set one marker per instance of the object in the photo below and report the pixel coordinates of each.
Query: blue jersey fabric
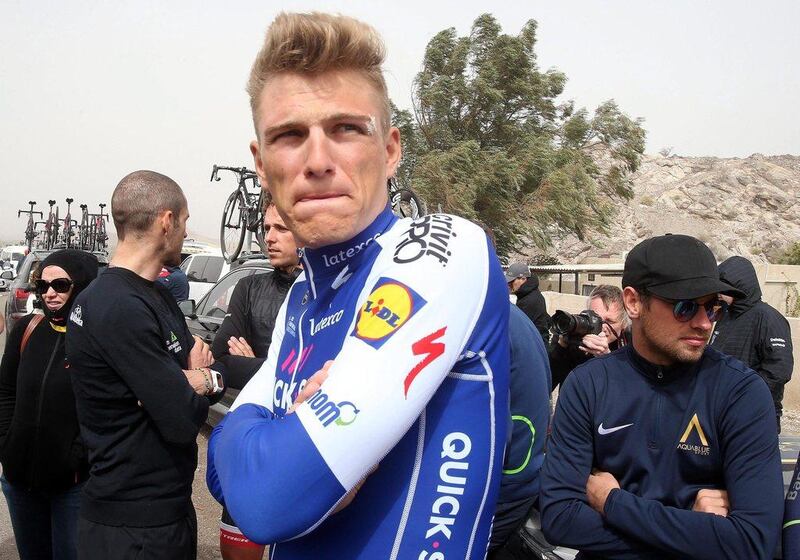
column 415, row 317
column 665, row 434
column 791, row 519
column 530, row 413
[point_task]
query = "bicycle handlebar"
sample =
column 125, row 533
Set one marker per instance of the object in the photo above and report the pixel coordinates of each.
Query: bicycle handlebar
column 242, row 172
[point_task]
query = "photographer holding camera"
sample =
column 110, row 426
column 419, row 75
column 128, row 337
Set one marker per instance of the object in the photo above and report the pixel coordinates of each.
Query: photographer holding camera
column 600, row 329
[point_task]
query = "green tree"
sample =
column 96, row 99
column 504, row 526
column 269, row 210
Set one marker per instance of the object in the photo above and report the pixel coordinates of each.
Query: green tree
column 791, row 255
column 489, row 141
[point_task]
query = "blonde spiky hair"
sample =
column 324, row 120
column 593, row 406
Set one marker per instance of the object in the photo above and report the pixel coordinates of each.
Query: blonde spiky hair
column 316, row 43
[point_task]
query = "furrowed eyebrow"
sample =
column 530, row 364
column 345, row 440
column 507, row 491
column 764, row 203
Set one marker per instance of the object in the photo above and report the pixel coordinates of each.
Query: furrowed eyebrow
column 364, row 119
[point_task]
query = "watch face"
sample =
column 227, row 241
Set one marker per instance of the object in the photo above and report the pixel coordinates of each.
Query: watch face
column 218, row 382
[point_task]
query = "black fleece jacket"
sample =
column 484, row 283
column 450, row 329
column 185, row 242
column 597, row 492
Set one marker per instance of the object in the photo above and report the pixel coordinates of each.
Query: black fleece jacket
column 40, row 446
column 251, row 314
column 127, row 344
column 532, row 303
column 754, row 332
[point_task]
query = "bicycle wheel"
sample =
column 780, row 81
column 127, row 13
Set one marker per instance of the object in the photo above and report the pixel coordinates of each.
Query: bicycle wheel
column 231, row 231
column 406, row 204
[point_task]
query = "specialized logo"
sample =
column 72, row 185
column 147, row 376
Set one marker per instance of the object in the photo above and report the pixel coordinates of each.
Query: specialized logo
column 694, row 426
column 429, row 348
column 452, row 481
column 75, row 316
column 326, row 322
column 605, row 431
column 390, row 305
column 327, row 412
column 173, row 344
column 344, row 254
column 428, row 236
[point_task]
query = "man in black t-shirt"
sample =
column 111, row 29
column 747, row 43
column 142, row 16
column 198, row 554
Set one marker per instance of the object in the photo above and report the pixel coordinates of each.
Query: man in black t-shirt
column 142, row 385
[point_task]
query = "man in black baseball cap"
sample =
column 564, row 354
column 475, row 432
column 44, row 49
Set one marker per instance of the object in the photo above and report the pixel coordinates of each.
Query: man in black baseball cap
column 666, row 447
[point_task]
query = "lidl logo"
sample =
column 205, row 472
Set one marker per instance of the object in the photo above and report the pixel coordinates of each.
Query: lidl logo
column 687, row 441
column 390, row 305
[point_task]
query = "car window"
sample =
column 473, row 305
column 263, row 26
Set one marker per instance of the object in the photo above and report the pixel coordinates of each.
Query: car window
column 213, row 269
column 195, row 272
column 217, row 301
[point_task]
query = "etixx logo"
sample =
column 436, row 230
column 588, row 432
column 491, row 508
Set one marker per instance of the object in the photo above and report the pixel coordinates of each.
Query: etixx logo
column 390, row 305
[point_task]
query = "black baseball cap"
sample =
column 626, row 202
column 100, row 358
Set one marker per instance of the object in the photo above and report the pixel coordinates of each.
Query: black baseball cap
column 675, row 267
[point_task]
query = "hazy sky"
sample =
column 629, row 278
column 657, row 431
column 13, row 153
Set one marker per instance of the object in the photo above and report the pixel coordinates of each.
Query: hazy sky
column 90, row 91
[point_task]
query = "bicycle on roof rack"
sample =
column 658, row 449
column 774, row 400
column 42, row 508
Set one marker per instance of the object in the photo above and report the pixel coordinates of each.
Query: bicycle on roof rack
column 92, row 234
column 67, row 232
column 242, row 215
column 30, row 228
column 51, row 227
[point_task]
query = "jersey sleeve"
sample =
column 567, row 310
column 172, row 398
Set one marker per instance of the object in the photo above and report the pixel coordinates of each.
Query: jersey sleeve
column 791, row 518
column 417, row 316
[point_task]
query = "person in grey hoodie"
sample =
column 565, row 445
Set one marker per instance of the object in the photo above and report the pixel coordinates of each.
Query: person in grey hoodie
column 755, row 332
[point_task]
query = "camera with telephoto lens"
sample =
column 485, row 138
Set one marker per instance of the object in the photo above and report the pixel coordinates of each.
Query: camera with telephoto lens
column 576, row 326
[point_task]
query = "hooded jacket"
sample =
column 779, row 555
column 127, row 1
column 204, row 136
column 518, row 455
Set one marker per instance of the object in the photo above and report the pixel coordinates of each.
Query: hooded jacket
column 532, row 303
column 40, row 444
column 754, row 332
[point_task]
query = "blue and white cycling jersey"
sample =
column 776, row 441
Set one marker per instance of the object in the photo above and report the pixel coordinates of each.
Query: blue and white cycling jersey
column 415, row 317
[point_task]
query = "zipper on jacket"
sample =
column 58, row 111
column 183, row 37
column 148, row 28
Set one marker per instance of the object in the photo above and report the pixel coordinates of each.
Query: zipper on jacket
column 654, row 431
column 39, row 409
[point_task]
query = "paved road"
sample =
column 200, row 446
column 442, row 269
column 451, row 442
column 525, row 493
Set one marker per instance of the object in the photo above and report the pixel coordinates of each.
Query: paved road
column 208, row 511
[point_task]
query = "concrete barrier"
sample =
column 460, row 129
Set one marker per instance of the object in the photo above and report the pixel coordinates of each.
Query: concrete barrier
column 791, row 398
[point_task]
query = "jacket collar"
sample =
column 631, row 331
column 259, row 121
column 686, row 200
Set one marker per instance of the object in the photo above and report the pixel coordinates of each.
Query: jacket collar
column 661, row 374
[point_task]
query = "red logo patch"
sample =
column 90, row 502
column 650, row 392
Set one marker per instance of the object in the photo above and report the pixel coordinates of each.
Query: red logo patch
column 430, row 349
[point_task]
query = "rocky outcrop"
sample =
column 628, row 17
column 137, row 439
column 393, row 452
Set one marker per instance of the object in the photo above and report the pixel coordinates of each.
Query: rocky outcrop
column 748, row 207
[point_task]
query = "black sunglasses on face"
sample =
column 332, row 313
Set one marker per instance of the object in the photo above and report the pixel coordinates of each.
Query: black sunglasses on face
column 59, row 285
column 685, row 309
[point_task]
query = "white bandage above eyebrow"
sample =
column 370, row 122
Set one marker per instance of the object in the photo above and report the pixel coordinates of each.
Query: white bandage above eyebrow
column 372, row 127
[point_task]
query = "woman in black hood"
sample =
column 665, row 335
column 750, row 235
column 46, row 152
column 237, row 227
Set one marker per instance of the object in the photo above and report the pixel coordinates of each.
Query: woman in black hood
column 44, row 460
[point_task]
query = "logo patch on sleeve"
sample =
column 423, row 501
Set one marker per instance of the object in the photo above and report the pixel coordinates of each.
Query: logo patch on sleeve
column 390, row 305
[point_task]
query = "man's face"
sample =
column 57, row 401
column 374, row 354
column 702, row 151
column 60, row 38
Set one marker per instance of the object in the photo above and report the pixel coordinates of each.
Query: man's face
column 516, row 284
column 612, row 316
column 664, row 340
column 175, row 237
column 323, row 154
column 281, row 248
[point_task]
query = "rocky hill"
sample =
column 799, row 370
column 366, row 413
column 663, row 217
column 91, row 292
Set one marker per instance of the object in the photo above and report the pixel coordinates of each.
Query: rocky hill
column 748, row 206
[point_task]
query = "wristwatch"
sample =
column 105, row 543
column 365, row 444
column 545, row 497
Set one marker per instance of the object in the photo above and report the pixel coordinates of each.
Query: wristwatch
column 217, row 383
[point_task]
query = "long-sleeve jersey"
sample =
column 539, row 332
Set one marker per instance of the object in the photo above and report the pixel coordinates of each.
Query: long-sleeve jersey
column 791, row 519
column 530, row 413
column 665, row 434
column 415, row 317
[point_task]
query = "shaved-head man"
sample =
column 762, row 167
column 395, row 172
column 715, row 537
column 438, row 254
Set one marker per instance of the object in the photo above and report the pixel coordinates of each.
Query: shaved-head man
column 142, row 384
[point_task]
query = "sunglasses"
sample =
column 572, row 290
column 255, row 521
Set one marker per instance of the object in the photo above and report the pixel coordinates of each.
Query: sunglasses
column 59, row 285
column 684, row 310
